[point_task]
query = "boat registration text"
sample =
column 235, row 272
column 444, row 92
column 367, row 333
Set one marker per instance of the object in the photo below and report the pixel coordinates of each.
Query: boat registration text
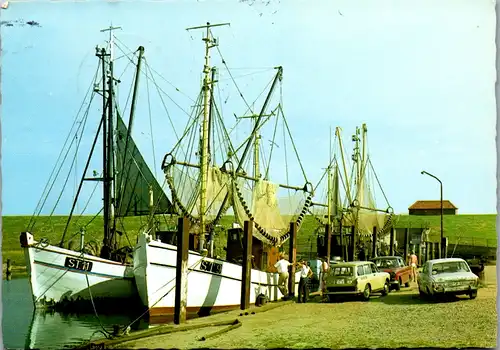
column 78, row 264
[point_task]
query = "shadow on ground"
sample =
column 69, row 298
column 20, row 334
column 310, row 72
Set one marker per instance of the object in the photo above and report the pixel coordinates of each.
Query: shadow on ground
column 407, row 297
column 396, row 298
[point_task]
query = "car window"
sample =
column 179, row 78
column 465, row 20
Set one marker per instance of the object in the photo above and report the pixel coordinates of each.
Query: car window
column 401, row 263
column 374, row 268
column 425, row 269
column 367, row 269
column 449, row 267
column 360, row 270
column 342, row 271
column 386, row 263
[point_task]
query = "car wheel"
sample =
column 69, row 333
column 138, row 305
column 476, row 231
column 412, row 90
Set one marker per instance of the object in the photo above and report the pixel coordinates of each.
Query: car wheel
column 473, row 294
column 385, row 291
column 367, row 292
column 397, row 286
column 429, row 295
column 422, row 294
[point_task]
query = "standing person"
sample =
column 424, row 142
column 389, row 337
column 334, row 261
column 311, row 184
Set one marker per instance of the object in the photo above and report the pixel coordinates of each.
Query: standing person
column 305, row 274
column 413, row 264
column 282, row 267
column 315, row 266
column 324, row 272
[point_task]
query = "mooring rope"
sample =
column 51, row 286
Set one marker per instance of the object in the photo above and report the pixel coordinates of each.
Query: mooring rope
column 190, row 269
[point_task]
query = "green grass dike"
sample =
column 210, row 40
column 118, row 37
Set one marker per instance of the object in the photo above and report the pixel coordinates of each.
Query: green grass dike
column 477, row 230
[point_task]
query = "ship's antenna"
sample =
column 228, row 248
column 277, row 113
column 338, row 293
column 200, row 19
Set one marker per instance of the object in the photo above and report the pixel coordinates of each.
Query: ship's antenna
column 111, row 38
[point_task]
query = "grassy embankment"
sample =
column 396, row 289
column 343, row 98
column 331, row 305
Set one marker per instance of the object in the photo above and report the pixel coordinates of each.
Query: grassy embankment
column 467, row 229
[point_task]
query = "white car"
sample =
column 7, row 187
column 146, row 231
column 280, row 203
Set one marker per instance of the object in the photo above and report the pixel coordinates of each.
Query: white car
column 356, row 278
column 447, row 276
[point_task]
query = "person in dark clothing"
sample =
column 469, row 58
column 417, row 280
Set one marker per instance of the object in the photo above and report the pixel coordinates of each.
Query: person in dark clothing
column 305, row 274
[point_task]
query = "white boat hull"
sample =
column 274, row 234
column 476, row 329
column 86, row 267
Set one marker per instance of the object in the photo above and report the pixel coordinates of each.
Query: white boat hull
column 57, row 274
column 213, row 284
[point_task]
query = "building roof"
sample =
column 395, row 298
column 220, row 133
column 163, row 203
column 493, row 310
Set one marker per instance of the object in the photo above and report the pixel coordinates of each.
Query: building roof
column 432, row 205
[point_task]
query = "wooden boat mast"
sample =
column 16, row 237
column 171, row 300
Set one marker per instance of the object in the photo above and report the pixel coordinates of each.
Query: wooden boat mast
column 210, row 42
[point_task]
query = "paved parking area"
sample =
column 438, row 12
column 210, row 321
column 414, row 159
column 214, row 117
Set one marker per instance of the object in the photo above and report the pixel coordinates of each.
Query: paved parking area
column 401, row 319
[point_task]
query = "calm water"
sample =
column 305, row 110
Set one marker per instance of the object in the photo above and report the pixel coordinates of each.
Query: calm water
column 23, row 328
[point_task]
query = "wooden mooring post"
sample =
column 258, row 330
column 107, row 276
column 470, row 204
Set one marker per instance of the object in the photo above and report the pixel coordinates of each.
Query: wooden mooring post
column 352, row 246
column 444, row 247
column 391, row 242
column 292, row 258
column 426, row 254
column 374, row 242
column 181, row 271
column 8, row 271
column 328, row 235
column 342, row 242
column 246, row 265
column 405, row 249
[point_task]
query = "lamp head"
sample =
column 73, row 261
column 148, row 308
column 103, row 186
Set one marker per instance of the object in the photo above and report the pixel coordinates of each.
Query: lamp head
column 422, row 172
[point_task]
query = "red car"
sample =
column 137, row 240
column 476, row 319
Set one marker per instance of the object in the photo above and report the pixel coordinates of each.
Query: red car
column 396, row 267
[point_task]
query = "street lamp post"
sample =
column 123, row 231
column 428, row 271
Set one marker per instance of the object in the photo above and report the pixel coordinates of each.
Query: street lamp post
column 441, row 251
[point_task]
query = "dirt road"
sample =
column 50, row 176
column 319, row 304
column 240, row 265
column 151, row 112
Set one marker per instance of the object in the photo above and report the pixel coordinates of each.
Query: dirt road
column 381, row 322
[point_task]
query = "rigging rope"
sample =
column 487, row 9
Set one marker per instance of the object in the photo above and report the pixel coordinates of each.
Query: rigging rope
column 293, row 144
column 190, row 269
column 74, row 158
column 48, row 187
column 236, row 85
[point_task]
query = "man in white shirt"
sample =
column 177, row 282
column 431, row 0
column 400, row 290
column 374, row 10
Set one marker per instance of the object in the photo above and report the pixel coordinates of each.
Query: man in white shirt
column 282, row 267
column 305, row 274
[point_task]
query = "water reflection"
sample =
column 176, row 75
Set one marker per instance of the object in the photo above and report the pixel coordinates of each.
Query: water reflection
column 25, row 328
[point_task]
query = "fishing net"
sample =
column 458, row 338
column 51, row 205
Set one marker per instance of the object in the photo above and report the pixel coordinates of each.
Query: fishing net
column 269, row 207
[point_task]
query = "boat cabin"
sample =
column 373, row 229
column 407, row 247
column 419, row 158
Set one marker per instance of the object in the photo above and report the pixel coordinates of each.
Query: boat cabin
column 265, row 256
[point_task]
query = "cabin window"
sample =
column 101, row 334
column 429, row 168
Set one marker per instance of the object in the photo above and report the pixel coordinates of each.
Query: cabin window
column 264, row 261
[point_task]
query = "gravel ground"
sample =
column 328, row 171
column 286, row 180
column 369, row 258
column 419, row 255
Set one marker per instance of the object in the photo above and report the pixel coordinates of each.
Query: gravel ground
column 400, row 319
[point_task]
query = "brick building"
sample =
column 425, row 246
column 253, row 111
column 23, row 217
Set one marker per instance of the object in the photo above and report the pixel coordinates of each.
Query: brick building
column 432, row 208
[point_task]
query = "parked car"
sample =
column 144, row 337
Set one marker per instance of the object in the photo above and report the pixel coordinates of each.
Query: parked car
column 396, row 267
column 356, row 278
column 447, row 276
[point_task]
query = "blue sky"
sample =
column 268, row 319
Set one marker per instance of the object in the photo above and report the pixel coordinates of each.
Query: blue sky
column 420, row 75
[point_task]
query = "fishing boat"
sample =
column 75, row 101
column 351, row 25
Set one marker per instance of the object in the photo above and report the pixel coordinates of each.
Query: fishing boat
column 100, row 273
column 352, row 220
column 203, row 192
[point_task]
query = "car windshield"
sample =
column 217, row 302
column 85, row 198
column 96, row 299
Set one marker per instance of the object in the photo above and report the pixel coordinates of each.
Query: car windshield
column 342, row 271
column 449, row 267
column 386, row 263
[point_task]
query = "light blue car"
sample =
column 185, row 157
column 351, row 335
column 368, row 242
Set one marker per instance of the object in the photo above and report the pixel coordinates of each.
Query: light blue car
column 447, row 276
